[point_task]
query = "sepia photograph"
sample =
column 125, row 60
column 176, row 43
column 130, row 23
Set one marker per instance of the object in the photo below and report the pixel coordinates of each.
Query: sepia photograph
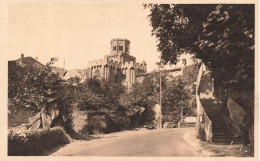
column 132, row 79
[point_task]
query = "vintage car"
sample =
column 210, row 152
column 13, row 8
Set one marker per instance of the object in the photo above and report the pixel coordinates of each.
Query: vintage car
column 169, row 125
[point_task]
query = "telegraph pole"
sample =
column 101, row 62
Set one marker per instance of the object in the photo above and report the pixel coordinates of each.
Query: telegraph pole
column 160, row 99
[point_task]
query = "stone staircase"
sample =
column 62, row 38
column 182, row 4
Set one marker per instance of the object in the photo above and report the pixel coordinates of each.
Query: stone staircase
column 221, row 133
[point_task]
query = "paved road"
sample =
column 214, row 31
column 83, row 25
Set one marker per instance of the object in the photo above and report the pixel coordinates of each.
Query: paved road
column 168, row 142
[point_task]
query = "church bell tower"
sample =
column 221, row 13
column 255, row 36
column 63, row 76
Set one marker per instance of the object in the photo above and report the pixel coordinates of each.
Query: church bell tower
column 120, row 46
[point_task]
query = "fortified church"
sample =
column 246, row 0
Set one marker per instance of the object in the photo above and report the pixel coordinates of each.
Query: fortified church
column 119, row 60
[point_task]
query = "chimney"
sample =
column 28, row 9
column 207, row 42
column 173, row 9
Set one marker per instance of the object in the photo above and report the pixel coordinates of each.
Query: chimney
column 36, row 58
column 22, row 55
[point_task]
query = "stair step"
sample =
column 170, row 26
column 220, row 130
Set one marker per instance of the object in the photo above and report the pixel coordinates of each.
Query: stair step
column 222, row 139
column 215, row 117
column 217, row 122
column 214, row 124
column 209, row 104
column 220, row 128
column 223, row 126
column 213, row 111
column 220, row 122
column 228, row 141
column 223, row 136
column 221, row 133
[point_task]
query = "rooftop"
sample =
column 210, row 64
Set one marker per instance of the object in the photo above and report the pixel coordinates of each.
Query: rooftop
column 122, row 39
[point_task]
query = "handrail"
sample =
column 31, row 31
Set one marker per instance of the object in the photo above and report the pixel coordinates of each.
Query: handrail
column 200, row 109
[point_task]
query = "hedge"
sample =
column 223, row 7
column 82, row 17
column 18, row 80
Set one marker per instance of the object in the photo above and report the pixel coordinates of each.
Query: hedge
column 30, row 143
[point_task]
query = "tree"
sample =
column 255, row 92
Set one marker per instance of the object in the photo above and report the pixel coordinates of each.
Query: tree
column 100, row 99
column 34, row 88
column 31, row 87
column 175, row 95
column 222, row 36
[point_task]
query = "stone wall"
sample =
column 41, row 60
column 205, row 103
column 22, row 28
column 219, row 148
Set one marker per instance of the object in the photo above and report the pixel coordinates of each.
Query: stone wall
column 236, row 112
column 241, row 122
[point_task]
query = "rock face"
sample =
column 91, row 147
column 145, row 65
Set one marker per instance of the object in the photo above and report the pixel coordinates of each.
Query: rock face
column 60, row 71
column 18, row 118
column 81, row 73
column 66, row 74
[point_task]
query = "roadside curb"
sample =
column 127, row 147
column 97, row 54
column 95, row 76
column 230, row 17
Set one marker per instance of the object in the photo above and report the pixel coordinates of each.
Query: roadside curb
column 190, row 138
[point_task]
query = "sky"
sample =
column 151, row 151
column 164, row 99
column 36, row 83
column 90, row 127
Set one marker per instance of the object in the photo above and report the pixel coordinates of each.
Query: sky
column 79, row 32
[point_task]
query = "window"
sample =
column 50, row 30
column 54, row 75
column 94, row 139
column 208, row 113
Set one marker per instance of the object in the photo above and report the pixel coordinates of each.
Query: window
column 114, row 48
column 120, row 47
column 126, row 49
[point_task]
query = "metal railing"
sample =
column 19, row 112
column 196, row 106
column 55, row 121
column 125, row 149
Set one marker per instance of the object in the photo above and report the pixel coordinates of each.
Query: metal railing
column 201, row 114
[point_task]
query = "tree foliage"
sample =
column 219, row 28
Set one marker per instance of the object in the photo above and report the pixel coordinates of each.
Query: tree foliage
column 31, row 87
column 100, row 99
column 222, row 36
column 175, row 95
column 107, row 105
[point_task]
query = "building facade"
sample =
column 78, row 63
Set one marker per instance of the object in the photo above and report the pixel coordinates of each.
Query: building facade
column 119, row 60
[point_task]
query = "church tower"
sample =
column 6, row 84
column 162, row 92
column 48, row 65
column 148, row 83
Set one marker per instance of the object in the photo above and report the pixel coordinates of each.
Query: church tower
column 120, row 46
column 119, row 60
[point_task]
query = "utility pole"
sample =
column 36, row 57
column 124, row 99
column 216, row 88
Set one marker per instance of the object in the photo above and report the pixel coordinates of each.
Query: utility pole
column 160, row 99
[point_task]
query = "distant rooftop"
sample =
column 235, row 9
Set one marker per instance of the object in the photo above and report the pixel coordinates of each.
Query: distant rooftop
column 27, row 60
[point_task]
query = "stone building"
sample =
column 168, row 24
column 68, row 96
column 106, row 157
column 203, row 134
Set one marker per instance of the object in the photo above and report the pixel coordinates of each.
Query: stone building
column 119, row 60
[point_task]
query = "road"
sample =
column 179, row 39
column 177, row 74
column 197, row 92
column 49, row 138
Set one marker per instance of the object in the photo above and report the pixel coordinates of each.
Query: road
column 166, row 142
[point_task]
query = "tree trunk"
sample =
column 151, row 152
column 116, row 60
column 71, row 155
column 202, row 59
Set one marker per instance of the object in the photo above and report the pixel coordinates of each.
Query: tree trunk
column 46, row 120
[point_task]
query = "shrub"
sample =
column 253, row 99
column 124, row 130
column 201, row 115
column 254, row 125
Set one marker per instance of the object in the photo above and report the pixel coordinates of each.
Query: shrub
column 36, row 142
column 72, row 133
column 117, row 123
column 96, row 124
column 79, row 121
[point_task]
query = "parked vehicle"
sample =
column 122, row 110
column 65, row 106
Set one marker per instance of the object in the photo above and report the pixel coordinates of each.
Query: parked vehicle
column 169, row 125
column 151, row 126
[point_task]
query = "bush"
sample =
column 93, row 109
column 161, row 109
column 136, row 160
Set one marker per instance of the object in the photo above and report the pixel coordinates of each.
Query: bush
column 36, row 142
column 79, row 121
column 72, row 133
column 117, row 123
